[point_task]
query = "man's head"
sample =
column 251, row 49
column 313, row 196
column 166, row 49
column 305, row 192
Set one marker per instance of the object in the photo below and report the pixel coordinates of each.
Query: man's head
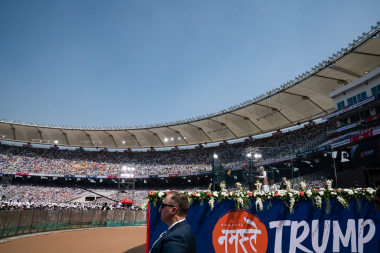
column 174, row 208
column 283, row 179
column 376, row 198
column 261, row 168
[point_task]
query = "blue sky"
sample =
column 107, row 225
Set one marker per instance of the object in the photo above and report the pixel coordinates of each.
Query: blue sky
column 125, row 63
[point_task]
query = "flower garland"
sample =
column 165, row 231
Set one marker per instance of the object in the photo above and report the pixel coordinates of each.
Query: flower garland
column 303, row 186
column 242, row 197
column 288, row 185
column 329, row 184
column 259, row 203
column 258, row 185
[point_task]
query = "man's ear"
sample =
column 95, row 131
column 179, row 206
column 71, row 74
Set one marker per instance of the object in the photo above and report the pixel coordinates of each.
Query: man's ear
column 176, row 210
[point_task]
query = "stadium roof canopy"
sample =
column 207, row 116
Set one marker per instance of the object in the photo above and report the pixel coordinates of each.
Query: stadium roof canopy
column 301, row 100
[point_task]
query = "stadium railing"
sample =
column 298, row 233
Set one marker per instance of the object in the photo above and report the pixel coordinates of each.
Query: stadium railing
column 19, row 222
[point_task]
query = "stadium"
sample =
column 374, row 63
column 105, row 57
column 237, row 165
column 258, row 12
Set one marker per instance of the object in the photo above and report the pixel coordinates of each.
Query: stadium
column 319, row 130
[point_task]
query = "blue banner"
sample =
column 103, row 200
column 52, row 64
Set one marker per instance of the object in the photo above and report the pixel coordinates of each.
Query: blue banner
column 314, row 150
column 153, row 176
column 204, row 172
column 275, row 229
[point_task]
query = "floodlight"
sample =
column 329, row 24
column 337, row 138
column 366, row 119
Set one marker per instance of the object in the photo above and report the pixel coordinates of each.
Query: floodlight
column 215, row 156
column 55, row 142
column 179, row 138
column 166, row 139
column 172, row 139
column 133, row 168
column 123, row 142
column 124, row 168
column 249, row 155
column 256, row 155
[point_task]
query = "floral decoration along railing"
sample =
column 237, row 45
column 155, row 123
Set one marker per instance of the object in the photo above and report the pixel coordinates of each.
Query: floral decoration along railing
column 242, row 198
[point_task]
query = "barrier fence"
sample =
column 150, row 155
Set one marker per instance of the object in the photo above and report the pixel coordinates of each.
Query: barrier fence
column 32, row 221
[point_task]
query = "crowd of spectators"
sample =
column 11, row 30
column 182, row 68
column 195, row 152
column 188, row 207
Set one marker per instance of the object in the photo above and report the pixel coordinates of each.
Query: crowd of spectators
column 350, row 135
column 78, row 162
column 57, row 198
column 41, row 194
column 313, row 184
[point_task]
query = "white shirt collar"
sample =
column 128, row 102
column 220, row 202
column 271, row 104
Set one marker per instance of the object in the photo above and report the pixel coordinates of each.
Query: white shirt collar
column 175, row 223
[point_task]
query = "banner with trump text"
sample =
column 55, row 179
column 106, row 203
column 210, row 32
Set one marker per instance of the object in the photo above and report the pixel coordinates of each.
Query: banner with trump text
column 332, row 228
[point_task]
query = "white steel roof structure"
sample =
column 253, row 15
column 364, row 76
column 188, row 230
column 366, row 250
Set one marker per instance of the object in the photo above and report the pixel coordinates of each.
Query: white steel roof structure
column 304, row 99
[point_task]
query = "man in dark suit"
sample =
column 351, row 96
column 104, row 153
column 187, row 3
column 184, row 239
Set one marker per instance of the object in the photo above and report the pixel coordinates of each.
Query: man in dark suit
column 179, row 237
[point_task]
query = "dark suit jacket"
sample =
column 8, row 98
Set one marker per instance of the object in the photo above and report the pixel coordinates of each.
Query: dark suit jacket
column 179, row 239
column 282, row 186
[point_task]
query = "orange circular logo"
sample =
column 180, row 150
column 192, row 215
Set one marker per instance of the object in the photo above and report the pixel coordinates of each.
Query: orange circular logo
column 240, row 231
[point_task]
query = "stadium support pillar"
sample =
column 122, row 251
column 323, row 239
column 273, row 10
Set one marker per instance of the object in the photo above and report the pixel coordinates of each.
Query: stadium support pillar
column 218, row 172
column 213, row 172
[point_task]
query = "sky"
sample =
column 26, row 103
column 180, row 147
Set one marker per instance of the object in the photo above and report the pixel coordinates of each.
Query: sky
column 126, row 63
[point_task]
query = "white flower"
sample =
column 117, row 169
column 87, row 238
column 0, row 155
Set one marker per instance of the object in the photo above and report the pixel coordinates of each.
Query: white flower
column 240, row 202
column 321, row 193
column 223, row 186
column 258, row 185
column 288, row 185
column 342, row 201
column 290, row 195
column 215, row 194
column 231, row 193
column 189, row 193
column 292, row 201
column 198, row 195
column 259, row 203
column 333, row 193
column 211, row 203
column 224, row 194
column 238, row 185
column 318, row 202
column 160, row 194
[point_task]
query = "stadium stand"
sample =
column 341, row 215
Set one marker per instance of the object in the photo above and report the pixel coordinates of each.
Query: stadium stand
column 76, row 162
